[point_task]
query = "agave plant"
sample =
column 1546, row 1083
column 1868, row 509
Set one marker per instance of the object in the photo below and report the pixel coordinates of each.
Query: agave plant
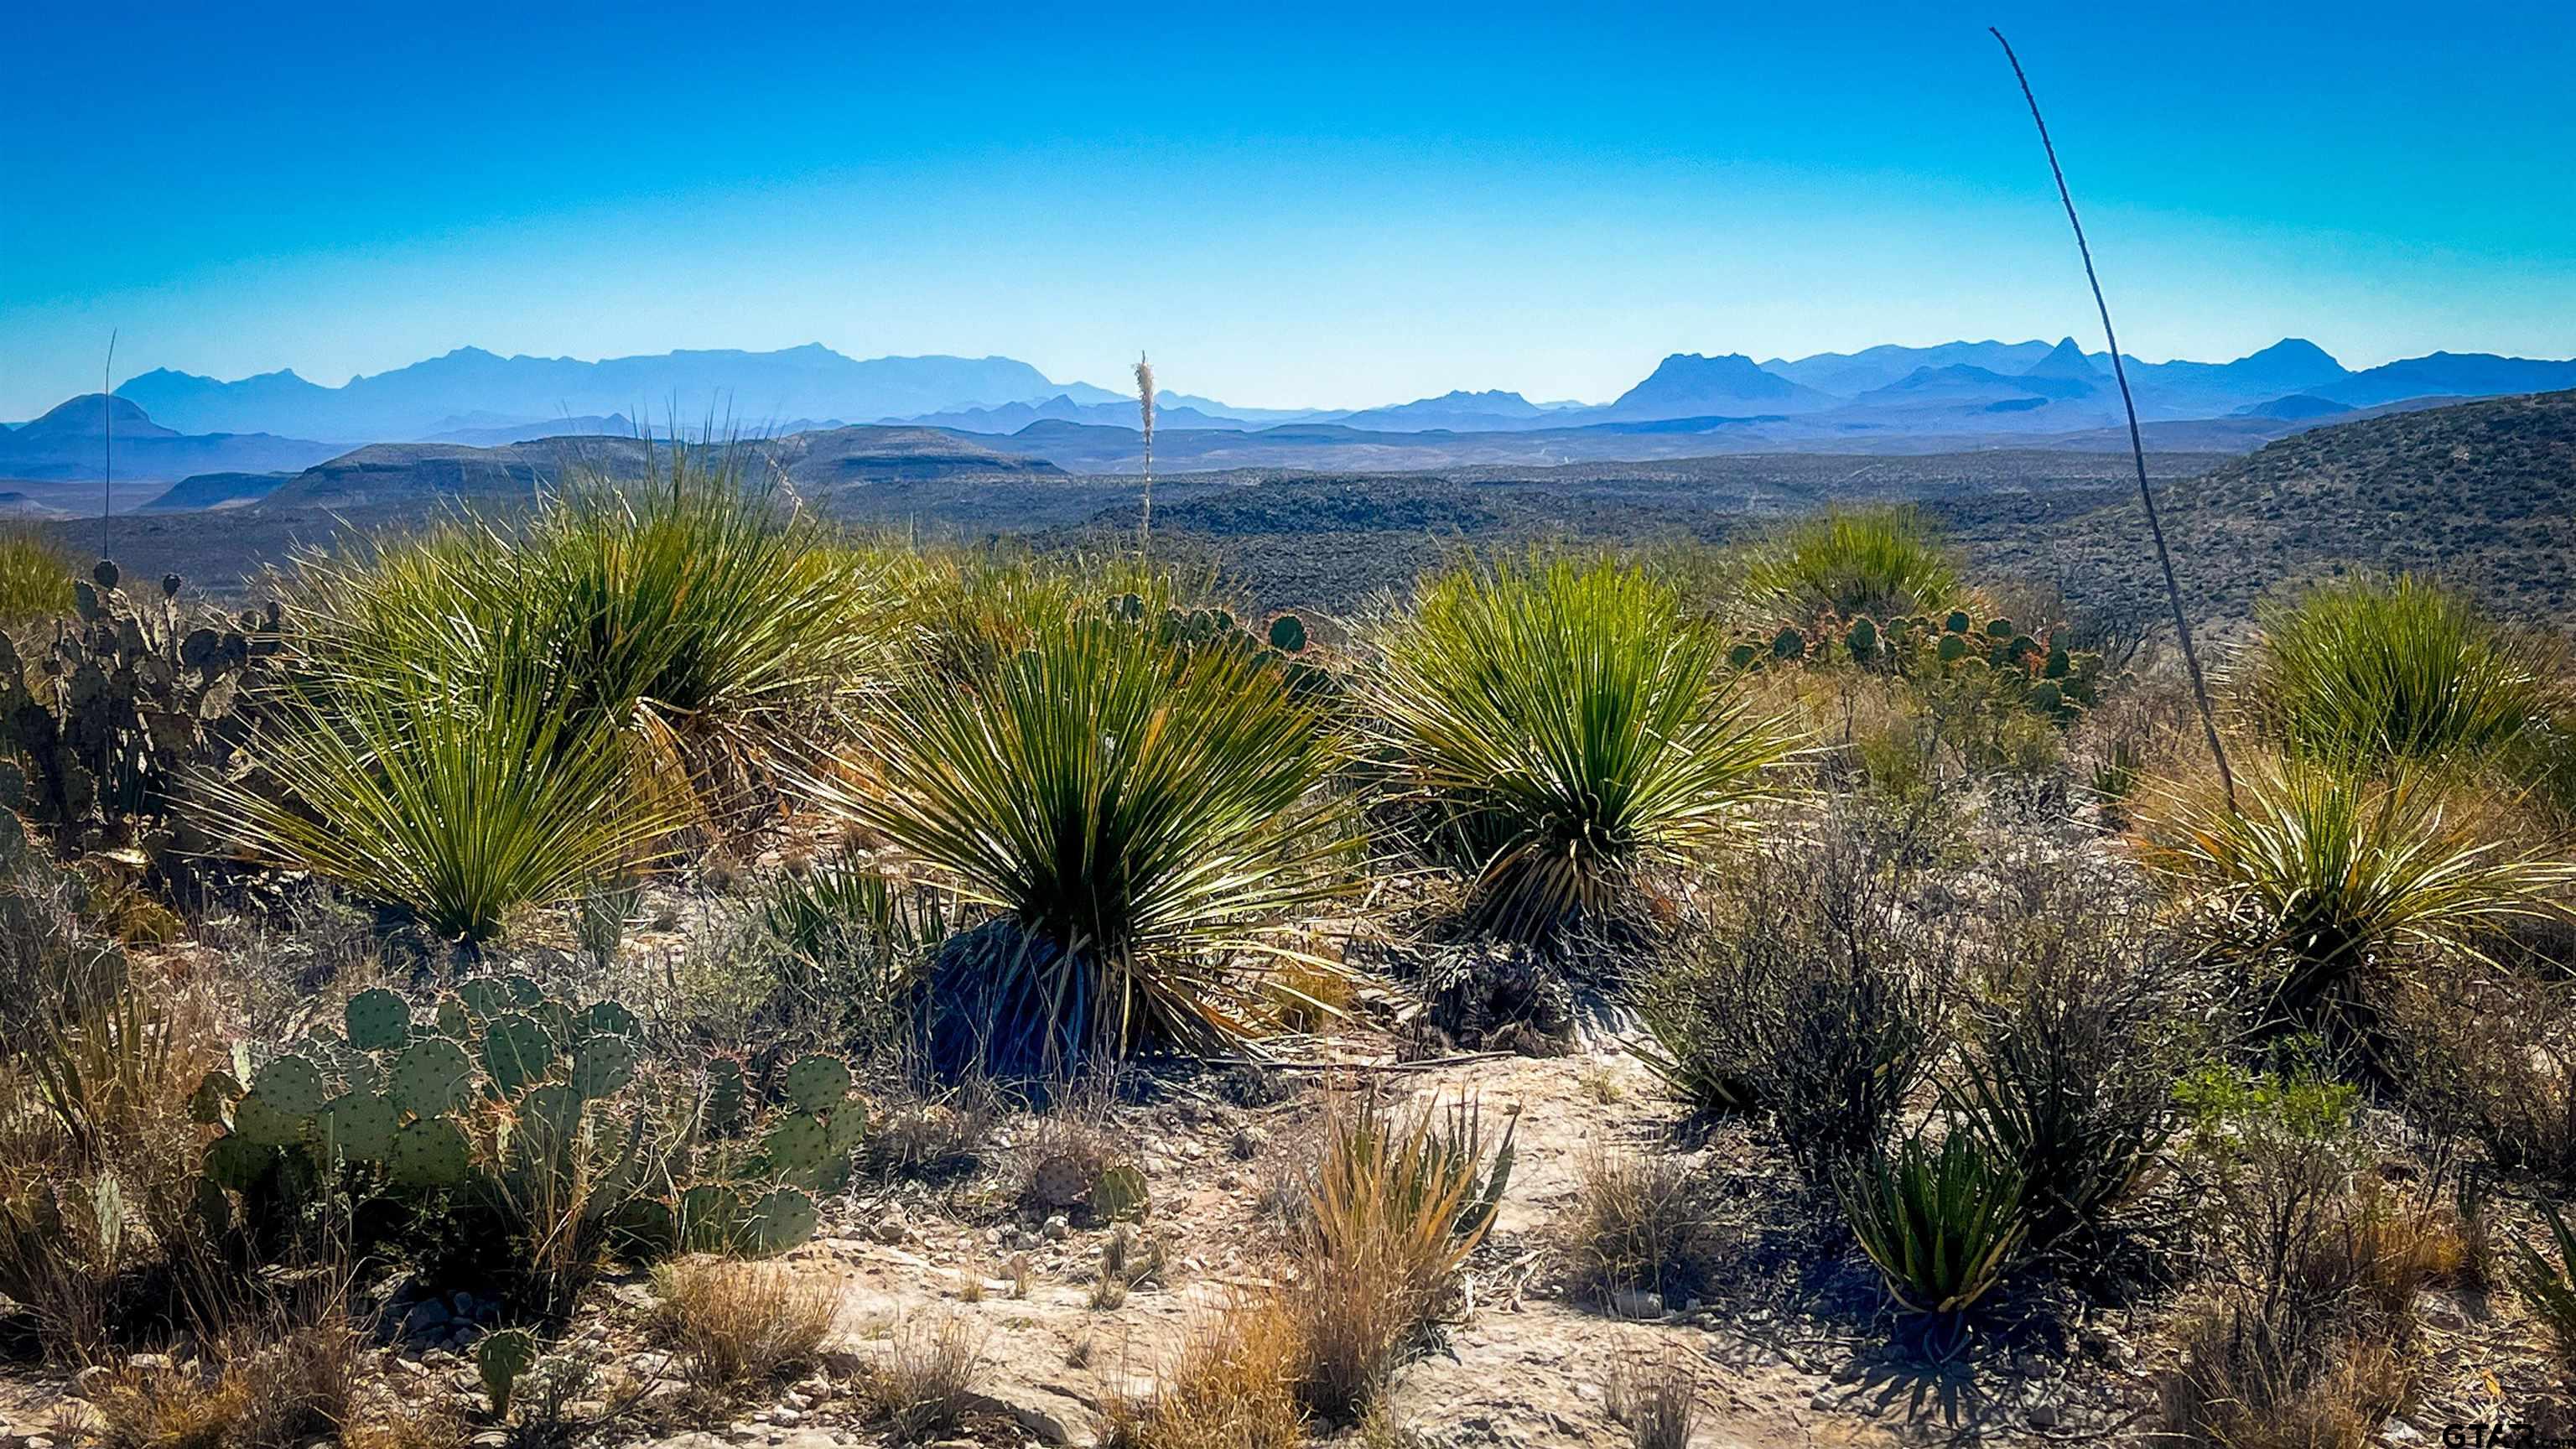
column 1564, row 726
column 2548, row 1283
column 457, row 800
column 2319, row 875
column 1943, row 1224
column 1139, row 816
column 1877, row 563
column 2368, row 668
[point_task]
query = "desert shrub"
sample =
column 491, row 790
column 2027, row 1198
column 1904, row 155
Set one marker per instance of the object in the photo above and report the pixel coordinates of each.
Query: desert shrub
column 2367, row 668
column 2080, row 1030
column 2320, row 880
column 1561, row 727
column 1658, row 1402
column 457, row 798
column 739, row 1326
column 1943, row 1223
column 2491, row 1055
column 278, row 1366
column 35, row 577
column 1636, row 1223
column 966, row 611
column 1876, row 562
column 1398, row 1202
column 1818, row 990
column 923, row 1381
column 1130, row 809
column 2308, row 1306
column 844, row 944
column 1231, row 1387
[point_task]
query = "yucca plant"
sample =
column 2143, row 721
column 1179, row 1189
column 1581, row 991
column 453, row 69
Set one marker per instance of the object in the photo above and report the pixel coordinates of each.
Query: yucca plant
column 35, row 577
column 1879, row 562
column 1139, row 817
column 2320, row 876
column 456, row 800
column 693, row 606
column 2400, row 668
column 2548, row 1283
column 1562, row 726
column 1942, row 1223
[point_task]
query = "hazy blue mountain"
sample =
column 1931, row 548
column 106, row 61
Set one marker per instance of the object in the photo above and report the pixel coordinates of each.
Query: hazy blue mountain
column 215, row 490
column 480, row 434
column 1687, row 385
column 71, row 443
column 1456, row 411
column 2296, row 407
column 2450, row 374
column 755, row 391
column 1854, row 373
column 2067, row 362
column 1011, row 417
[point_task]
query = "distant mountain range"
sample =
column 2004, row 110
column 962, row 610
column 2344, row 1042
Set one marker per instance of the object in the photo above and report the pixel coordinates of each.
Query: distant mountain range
column 71, row 444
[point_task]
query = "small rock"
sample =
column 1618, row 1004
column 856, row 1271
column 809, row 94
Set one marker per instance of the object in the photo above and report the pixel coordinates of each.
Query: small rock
column 1058, row 1228
column 2044, row 1415
column 1636, row 1303
column 149, row 1362
column 1850, row 1371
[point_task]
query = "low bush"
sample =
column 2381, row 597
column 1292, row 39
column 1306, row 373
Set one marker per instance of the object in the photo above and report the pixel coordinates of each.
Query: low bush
column 1636, row 1224
column 923, row 1381
column 1560, row 728
column 740, row 1326
column 1818, row 991
column 2546, row 1279
column 1233, row 1386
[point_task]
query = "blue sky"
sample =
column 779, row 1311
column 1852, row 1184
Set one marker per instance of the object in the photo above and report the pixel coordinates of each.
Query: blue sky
column 1308, row 205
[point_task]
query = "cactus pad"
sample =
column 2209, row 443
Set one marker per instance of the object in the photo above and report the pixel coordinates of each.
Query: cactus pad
column 727, row 1094
column 361, row 1127
column 379, row 1021
column 602, row 1065
column 818, row 1083
column 1061, row 1181
column 1288, row 634
column 431, row 1076
column 260, row 1121
column 453, row 1019
column 782, row 1218
column 236, row 1162
column 501, row 1357
column 1788, row 644
column 607, row 1018
column 2046, row 697
column 516, row 1051
column 796, row 1145
column 1953, row 647
column 292, row 1084
column 1121, row 1195
column 1957, row 623
column 483, row 996
column 432, row 1153
column 2000, row 629
column 214, row 1097
column 846, row 1130
column 708, row 1217
column 523, row 991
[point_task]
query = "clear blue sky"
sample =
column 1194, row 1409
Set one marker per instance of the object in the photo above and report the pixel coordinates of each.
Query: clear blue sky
column 1286, row 205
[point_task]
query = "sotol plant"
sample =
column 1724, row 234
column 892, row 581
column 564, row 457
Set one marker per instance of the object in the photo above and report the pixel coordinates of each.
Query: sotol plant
column 1878, row 562
column 1562, row 726
column 1133, row 809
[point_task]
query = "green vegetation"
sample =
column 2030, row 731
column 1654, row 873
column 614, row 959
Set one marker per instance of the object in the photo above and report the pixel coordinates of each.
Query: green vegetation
column 1562, row 727
column 1879, row 562
column 2399, row 668
column 1942, row 1223
column 35, row 577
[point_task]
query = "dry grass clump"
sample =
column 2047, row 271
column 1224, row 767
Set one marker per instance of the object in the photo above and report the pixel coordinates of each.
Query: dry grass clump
column 35, row 577
column 1232, row 1387
column 1636, row 1224
column 252, row 1390
column 923, row 1381
column 1657, row 1400
column 737, row 1326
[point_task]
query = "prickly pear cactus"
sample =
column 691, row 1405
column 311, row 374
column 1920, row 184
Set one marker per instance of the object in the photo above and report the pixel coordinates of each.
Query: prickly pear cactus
column 501, row 1357
column 817, row 1083
column 378, row 1020
column 1121, row 1195
column 1061, row 1181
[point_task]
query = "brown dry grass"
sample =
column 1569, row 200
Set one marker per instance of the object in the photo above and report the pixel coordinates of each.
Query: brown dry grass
column 279, row 1393
column 1635, row 1224
column 923, row 1381
column 1657, row 1399
column 1233, row 1387
column 737, row 1326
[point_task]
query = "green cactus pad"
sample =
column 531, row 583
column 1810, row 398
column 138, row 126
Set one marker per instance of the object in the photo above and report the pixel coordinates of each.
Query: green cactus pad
column 432, row 1076
column 846, row 1130
column 1742, row 656
column 796, row 1145
column 236, row 1162
column 2022, row 647
column 2046, row 697
column 727, row 1094
column 1121, row 1195
column 432, row 1153
column 708, row 1217
column 213, row 1100
column 817, row 1083
column 1953, row 648
column 2058, row 664
column 602, row 1066
column 379, row 1021
column 516, row 1052
column 1863, row 638
column 213, row 1210
column 1958, row 622
column 483, row 996
column 607, row 1018
column 781, row 1219
column 501, row 1357
column 454, row 1020
column 259, row 1120
column 1788, row 644
column 361, row 1128
column 1288, row 634
column 2000, row 629
column 523, row 991
column 292, row 1084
